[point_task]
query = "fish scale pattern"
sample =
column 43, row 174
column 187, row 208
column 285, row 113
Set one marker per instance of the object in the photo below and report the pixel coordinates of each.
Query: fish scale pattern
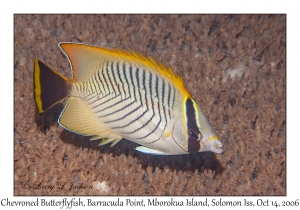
column 128, row 99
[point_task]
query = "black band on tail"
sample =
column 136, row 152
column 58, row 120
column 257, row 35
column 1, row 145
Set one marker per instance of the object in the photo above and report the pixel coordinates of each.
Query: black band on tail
column 50, row 87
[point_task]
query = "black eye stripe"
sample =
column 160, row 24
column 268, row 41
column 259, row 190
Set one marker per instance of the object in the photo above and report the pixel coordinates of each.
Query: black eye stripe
column 192, row 127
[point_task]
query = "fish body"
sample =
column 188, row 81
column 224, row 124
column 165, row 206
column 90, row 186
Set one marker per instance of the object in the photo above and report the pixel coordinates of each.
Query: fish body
column 116, row 94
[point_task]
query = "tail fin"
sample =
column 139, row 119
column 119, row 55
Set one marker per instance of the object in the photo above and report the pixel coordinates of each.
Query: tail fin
column 49, row 86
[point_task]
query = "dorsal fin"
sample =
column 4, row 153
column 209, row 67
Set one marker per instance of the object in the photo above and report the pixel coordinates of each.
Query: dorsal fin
column 86, row 59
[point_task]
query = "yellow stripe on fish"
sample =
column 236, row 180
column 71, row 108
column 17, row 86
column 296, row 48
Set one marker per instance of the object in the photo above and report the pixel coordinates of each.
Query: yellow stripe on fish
column 117, row 94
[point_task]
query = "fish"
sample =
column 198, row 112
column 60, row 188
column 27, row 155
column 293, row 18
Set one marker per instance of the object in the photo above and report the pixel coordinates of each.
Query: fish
column 117, row 94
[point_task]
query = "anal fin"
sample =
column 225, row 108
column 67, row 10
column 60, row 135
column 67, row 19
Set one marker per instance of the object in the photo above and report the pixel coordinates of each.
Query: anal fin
column 115, row 142
column 78, row 117
column 108, row 140
column 96, row 138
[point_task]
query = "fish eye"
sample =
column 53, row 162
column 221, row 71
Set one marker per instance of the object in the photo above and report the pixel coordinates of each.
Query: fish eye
column 195, row 134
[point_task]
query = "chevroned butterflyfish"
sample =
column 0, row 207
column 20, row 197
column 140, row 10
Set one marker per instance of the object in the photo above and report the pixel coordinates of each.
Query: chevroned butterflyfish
column 116, row 94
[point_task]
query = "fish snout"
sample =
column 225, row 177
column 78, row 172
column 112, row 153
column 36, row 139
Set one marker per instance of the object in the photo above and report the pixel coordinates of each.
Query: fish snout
column 214, row 145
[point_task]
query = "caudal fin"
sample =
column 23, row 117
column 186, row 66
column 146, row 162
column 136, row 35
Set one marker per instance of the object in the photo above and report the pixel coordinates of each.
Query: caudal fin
column 49, row 86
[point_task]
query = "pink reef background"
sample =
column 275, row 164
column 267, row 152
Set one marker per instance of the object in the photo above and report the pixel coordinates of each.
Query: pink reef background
column 233, row 65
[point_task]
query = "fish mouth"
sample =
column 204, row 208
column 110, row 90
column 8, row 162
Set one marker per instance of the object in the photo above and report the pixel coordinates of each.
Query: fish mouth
column 218, row 147
column 212, row 146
